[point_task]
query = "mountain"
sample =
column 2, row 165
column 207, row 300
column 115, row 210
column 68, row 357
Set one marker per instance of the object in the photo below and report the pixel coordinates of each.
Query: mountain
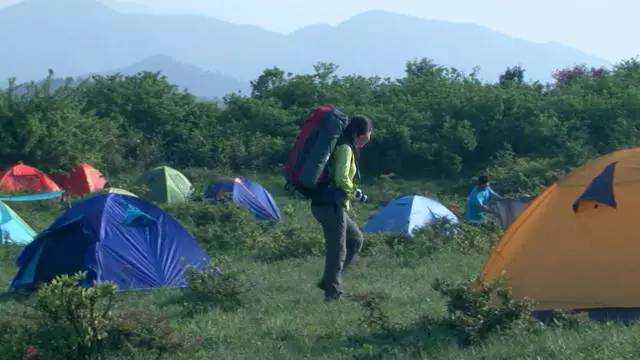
column 203, row 84
column 129, row 7
column 84, row 36
column 378, row 42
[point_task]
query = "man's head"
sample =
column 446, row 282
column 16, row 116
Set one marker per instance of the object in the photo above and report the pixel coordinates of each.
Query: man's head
column 483, row 181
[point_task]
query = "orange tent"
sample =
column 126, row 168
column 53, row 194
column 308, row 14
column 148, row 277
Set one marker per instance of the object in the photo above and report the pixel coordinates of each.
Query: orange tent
column 85, row 179
column 22, row 177
column 576, row 246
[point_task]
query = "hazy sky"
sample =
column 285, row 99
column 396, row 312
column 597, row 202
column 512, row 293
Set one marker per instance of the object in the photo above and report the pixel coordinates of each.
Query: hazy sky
column 608, row 28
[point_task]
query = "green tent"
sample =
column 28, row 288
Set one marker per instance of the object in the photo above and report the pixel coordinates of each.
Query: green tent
column 167, row 185
column 114, row 190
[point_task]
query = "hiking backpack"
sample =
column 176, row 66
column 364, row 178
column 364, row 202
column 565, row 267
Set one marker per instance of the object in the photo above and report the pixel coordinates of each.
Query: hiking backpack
column 306, row 169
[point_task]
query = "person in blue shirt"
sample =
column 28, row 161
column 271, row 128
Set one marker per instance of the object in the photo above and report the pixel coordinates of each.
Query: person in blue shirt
column 478, row 201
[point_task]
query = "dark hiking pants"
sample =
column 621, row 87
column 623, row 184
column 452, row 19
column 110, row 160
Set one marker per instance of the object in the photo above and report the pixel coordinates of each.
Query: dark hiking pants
column 343, row 241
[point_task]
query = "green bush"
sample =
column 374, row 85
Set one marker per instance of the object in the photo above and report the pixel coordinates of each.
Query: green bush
column 462, row 237
column 134, row 332
column 213, row 288
column 78, row 318
column 470, row 238
column 374, row 317
column 518, row 175
column 475, row 310
column 287, row 241
column 68, row 321
column 218, row 227
column 227, row 228
column 15, row 337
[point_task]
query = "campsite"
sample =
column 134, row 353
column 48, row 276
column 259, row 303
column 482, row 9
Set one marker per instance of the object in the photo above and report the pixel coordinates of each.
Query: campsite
column 351, row 183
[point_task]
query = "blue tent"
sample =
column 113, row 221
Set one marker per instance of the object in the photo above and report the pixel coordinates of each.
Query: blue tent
column 14, row 229
column 115, row 238
column 247, row 194
column 408, row 214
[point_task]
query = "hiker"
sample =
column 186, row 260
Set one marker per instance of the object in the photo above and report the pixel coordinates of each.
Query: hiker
column 330, row 206
column 478, row 201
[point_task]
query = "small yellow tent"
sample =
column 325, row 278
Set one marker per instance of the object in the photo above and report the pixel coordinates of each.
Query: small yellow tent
column 577, row 245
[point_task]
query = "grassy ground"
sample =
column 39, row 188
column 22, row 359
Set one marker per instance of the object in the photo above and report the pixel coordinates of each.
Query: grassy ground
column 285, row 316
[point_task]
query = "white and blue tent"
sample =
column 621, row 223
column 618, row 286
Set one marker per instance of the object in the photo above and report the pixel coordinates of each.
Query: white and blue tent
column 407, row 214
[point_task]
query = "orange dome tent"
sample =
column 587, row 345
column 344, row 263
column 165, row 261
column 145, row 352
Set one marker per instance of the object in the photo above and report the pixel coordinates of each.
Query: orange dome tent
column 85, row 179
column 22, row 177
column 576, row 246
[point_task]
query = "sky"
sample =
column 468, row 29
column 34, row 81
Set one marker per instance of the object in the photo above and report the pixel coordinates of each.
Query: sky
column 607, row 28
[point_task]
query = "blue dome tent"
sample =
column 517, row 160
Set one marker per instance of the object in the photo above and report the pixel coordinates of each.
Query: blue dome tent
column 408, row 214
column 247, row 194
column 115, row 238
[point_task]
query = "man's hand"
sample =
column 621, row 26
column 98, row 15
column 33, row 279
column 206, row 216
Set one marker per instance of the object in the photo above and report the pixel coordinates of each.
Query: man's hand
column 360, row 196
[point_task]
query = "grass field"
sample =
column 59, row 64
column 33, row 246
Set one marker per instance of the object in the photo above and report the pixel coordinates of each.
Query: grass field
column 284, row 315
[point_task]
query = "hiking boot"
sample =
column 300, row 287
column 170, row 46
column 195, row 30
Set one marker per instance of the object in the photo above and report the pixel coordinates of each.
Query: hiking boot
column 333, row 298
column 339, row 296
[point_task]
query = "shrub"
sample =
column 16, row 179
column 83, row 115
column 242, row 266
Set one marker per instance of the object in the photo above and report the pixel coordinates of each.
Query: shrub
column 470, row 238
column 518, row 175
column 374, row 317
column 67, row 321
column 138, row 331
column 287, row 241
column 15, row 342
column 218, row 227
column 425, row 242
column 78, row 318
column 213, row 288
column 476, row 310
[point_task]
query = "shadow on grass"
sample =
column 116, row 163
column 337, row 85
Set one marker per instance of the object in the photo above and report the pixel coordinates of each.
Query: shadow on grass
column 423, row 338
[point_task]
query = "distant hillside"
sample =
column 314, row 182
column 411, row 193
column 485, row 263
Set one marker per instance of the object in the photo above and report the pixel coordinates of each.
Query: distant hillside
column 129, row 7
column 76, row 37
column 200, row 83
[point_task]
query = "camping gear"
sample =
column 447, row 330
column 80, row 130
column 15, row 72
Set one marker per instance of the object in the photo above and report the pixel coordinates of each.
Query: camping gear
column 576, row 246
column 508, row 209
column 85, row 179
column 114, row 238
column 61, row 179
column 167, row 185
column 247, row 194
column 322, row 129
column 13, row 229
column 33, row 197
column 407, row 214
column 115, row 190
column 20, row 177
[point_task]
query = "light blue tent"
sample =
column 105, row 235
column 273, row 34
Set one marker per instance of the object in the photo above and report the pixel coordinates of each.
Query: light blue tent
column 14, row 230
column 407, row 214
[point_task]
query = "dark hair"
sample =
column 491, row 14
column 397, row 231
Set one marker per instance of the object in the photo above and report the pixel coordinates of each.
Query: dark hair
column 358, row 126
column 483, row 180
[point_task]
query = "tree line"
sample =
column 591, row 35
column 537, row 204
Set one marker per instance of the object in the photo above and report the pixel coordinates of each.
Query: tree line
column 435, row 122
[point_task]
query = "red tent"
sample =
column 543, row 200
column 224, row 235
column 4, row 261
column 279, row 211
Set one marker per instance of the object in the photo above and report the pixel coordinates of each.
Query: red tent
column 85, row 179
column 26, row 178
column 62, row 179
